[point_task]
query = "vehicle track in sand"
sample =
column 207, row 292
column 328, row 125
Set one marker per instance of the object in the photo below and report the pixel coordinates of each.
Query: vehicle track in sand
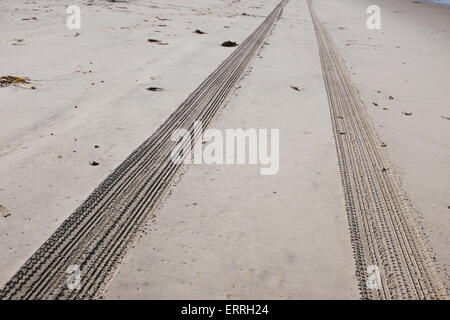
column 97, row 236
column 383, row 232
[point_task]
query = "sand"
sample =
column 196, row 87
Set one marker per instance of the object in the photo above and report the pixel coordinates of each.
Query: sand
column 226, row 231
column 408, row 60
column 42, row 179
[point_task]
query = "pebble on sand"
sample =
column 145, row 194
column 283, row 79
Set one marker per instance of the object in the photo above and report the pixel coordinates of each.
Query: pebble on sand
column 155, row 89
column 198, row 31
column 229, row 43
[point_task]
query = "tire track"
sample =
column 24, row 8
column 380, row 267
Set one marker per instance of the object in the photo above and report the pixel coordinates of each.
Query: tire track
column 99, row 233
column 383, row 232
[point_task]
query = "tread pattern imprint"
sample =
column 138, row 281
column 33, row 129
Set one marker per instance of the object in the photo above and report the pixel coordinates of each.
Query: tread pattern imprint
column 97, row 236
column 383, row 233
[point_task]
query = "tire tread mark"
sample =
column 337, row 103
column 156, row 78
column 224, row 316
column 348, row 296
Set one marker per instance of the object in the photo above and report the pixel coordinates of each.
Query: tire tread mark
column 103, row 228
column 382, row 229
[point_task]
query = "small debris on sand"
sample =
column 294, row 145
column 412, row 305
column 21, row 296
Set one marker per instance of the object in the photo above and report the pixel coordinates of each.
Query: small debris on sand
column 375, row 104
column 391, row 98
column 158, row 42
column 407, row 113
column 198, row 31
column 96, row 146
column 339, row 117
column 229, row 43
column 378, row 91
column 446, row 118
column 94, row 163
column 18, row 42
column 383, row 145
column 5, row 212
column 155, row 89
column 295, row 88
column 6, row 81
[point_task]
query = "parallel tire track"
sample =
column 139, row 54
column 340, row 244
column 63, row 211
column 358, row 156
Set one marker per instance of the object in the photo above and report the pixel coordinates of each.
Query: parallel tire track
column 383, row 232
column 99, row 233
